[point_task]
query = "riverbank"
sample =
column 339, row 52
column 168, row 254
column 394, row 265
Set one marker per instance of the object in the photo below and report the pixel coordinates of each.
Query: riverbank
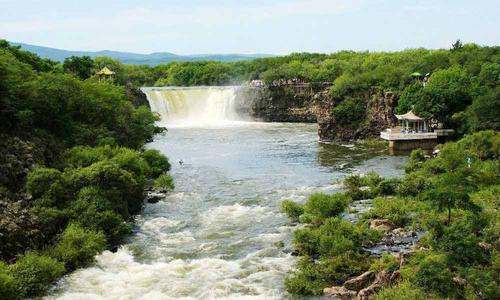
column 429, row 235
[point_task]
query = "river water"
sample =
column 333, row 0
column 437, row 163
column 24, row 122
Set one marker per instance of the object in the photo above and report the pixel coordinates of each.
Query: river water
column 216, row 235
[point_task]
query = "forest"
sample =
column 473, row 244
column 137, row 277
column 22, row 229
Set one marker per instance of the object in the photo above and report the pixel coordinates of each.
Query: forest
column 72, row 170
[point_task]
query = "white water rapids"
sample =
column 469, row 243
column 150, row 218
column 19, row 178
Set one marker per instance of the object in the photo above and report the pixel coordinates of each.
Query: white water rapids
column 218, row 234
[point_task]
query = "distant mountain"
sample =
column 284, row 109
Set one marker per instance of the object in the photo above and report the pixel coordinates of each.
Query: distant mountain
column 135, row 58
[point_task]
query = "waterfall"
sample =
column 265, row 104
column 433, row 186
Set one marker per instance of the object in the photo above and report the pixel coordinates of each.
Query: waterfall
column 193, row 105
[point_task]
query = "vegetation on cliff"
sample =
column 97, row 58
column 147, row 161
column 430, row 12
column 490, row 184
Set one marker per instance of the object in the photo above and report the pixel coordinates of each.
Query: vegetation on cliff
column 453, row 199
column 72, row 168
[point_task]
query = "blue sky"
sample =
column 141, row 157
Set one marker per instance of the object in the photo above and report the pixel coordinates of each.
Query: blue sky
column 255, row 26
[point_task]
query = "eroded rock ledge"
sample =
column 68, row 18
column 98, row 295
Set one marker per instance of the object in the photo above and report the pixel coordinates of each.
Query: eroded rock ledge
column 288, row 104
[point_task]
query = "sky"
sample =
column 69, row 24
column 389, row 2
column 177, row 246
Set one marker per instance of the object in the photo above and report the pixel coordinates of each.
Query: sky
column 254, row 26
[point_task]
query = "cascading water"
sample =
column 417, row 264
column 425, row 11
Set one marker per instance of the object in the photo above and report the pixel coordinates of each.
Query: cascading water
column 193, row 105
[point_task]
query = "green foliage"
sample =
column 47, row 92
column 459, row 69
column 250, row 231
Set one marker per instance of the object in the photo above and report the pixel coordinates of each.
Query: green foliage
column 320, row 206
column 77, row 246
column 404, row 291
column 34, row 273
column 313, row 276
column 417, row 158
column 158, row 162
column 292, row 209
column 397, row 210
column 431, row 271
column 8, row 284
column 366, row 186
column 165, row 182
column 350, row 112
column 386, row 262
column 80, row 66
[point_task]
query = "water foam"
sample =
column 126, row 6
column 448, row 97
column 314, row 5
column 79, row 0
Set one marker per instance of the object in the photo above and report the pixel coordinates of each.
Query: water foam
column 194, row 106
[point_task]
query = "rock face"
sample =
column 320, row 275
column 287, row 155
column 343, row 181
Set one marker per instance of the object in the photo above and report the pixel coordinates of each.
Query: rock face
column 379, row 114
column 137, row 96
column 277, row 104
column 305, row 104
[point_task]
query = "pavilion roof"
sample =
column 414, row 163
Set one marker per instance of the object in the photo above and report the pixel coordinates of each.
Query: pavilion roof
column 105, row 71
column 410, row 116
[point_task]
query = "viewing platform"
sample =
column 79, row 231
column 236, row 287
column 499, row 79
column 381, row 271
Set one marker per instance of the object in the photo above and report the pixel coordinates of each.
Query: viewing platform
column 414, row 132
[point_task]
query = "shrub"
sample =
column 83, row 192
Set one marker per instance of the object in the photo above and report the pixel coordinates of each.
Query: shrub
column 413, row 184
column 320, row 206
column 312, row 277
column 44, row 181
column 158, row 163
column 92, row 210
column 338, row 236
column 388, row 187
column 485, row 280
column 386, row 262
column 165, row 182
column 77, row 246
column 416, row 160
column 395, row 209
column 292, row 209
column 431, row 272
column 404, row 291
column 34, row 273
column 306, row 241
column 8, row 284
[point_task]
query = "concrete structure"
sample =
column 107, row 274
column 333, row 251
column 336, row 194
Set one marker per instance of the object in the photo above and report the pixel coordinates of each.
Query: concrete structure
column 413, row 132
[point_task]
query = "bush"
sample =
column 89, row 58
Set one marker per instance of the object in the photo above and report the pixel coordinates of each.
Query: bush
column 430, row 271
column 306, row 241
column 395, row 209
column 8, row 284
column 34, row 273
column 386, row 262
column 363, row 186
column 312, row 277
column 158, row 163
column 404, row 291
column 92, row 210
column 165, row 182
column 388, row 187
column 44, row 181
column 77, row 246
column 338, row 236
column 413, row 184
column 416, row 160
column 292, row 209
column 320, row 206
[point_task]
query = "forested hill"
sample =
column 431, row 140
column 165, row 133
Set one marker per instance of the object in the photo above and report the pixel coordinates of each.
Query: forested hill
column 134, row 58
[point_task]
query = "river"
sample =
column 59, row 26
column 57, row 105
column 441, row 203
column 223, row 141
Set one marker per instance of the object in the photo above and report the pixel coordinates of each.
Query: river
column 216, row 236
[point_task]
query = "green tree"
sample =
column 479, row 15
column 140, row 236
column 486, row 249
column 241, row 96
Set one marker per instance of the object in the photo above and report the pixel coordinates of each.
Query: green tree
column 80, row 66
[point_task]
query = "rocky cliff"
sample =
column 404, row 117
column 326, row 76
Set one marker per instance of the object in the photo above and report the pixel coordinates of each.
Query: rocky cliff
column 277, row 104
column 288, row 104
column 379, row 114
